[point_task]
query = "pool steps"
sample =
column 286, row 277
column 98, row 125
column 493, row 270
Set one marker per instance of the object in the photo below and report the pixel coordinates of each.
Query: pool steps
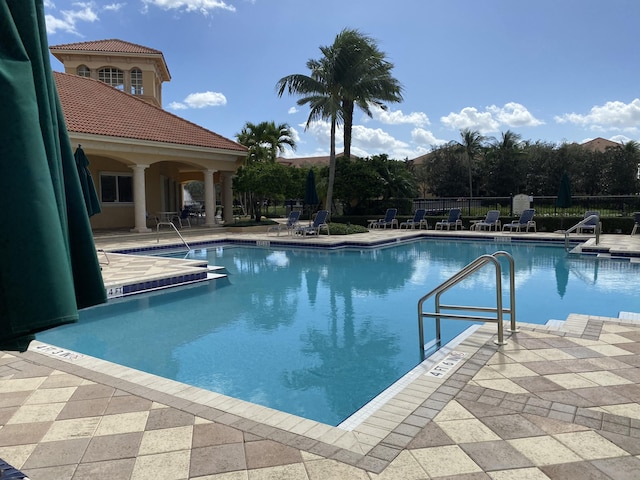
column 154, row 274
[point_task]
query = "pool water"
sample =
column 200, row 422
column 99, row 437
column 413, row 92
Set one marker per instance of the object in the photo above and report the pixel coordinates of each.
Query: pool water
column 319, row 333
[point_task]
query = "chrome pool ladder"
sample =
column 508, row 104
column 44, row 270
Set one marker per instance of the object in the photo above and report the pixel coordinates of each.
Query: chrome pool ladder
column 597, row 230
column 498, row 312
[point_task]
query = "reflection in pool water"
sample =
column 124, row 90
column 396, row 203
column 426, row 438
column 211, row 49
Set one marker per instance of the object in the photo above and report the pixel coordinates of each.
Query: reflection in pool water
column 319, row 333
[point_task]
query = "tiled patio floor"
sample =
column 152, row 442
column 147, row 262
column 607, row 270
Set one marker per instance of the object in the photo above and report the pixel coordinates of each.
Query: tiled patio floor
column 555, row 402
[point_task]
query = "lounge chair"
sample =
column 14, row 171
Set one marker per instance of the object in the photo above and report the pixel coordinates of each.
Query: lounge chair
column 418, row 220
column 290, row 226
column 490, row 222
column 589, row 226
column 184, row 218
column 636, row 220
column 389, row 219
column 318, row 223
column 454, row 220
column 526, row 221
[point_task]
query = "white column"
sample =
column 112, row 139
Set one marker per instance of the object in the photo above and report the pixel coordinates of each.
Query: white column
column 139, row 199
column 227, row 197
column 209, row 199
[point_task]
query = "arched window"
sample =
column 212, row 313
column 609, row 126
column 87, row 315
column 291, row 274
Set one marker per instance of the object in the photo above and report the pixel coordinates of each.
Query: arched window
column 83, row 71
column 112, row 76
column 136, row 81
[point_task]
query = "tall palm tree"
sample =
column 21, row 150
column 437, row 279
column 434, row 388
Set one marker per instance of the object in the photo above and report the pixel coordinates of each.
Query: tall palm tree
column 471, row 144
column 265, row 140
column 322, row 92
column 351, row 71
column 507, row 151
column 365, row 77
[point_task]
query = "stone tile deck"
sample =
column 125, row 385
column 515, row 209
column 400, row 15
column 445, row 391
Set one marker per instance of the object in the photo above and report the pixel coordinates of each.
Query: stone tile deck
column 556, row 402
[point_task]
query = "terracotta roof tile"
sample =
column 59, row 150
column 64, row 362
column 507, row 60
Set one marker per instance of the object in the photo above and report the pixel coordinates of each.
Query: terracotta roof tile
column 96, row 108
column 112, row 46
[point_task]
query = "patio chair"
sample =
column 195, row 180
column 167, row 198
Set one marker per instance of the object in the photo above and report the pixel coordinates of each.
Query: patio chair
column 590, row 226
column 389, row 219
column 290, row 226
column 636, row 220
column 526, row 221
column 454, row 220
column 184, row 218
column 318, row 223
column 490, row 222
column 418, row 219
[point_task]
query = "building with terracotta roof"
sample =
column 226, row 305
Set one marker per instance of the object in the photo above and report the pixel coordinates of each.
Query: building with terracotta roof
column 600, row 144
column 140, row 155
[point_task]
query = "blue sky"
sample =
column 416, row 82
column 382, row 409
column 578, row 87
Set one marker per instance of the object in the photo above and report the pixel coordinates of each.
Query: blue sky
column 550, row 70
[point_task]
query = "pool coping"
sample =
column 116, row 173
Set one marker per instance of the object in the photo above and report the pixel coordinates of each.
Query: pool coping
column 375, row 440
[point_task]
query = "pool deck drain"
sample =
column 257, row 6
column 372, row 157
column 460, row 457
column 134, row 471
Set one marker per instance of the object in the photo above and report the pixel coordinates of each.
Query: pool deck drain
column 537, row 400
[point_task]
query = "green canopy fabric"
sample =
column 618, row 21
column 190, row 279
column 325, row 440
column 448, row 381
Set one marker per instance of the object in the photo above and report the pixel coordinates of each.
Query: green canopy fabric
column 86, row 182
column 564, row 192
column 48, row 263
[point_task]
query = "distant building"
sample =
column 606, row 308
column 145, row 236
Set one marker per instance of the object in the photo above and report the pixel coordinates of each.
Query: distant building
column 307, row 162
column 600, row 144
column 140, row 155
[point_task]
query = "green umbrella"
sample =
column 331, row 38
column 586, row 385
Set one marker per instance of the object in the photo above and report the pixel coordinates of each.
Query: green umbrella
column 86, row 182
column 564, row 193
column 48, row 262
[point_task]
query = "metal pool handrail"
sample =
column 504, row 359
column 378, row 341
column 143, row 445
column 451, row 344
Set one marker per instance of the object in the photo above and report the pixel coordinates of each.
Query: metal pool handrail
column 473, row 267
column 174, row 227
column 597, row 229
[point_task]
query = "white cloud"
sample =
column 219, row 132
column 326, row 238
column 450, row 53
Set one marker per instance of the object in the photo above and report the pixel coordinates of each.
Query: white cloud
column 470, row 117
column 203, row 6
column 512, row 114
column 423, row 138
column 200, row 100
column 620, row 139
column 69, row 18
column 177, row 106
column 292, row 110
column 397, row 117
column 375, row 139
column 321, row 131
column 365, row 141
column 113, row 7
column 610, row 116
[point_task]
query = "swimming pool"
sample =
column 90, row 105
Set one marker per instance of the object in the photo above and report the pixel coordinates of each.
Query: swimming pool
column 319, row 333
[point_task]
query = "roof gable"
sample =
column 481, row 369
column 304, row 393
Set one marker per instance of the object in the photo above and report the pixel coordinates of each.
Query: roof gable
column 93, row 107
column 600, row 144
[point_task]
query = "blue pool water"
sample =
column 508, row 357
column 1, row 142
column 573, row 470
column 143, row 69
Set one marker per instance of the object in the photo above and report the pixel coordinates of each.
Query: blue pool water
column 319, row 333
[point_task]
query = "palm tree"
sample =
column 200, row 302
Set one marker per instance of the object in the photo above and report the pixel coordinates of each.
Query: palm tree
column 471, row 144
column 351, row 71
column 321, row 91
column 507, row 151
column 365, row 77
column 265, row 140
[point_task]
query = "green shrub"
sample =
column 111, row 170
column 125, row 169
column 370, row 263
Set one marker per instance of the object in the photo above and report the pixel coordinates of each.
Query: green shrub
column 252, row 223
column 345, row 229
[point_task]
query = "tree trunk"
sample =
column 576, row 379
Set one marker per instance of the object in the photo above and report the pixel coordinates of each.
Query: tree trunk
column 332, row 166
column 347, row 108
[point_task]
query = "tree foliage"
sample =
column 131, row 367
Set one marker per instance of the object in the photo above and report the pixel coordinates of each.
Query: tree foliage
column 265, row 140
column 509, row 165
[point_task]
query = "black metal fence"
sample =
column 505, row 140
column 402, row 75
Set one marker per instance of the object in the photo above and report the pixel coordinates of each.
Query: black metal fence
column 608, row 206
